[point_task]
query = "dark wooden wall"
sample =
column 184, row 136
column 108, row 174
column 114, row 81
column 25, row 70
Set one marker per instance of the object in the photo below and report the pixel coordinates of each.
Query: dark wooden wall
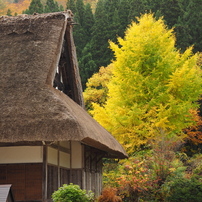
column 66, row 176
column 26, row 180
column 93, row 169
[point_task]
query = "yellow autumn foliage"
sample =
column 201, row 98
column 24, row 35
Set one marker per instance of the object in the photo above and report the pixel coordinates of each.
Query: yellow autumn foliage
column 153, row 86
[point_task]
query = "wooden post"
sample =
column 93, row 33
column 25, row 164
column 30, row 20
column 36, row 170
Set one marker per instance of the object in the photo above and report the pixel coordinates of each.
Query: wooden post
column 70, row 178
column 83, row 168
column 45, row 174
column 59, row 177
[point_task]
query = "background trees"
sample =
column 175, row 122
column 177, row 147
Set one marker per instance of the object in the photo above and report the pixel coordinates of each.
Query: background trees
column 35, row 6
column 170, row 9
column 190, row 28
column 83, row 16
column 51, row 6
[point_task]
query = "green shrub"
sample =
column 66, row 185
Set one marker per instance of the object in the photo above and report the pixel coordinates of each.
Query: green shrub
column 183, row 189
column 72, row 193
column 195, row 164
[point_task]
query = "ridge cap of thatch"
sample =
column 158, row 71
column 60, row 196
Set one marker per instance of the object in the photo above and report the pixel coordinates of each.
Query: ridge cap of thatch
column 67, row 14
column 21, row 24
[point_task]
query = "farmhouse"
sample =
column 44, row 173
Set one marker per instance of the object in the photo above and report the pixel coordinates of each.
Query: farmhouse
column 47, row 138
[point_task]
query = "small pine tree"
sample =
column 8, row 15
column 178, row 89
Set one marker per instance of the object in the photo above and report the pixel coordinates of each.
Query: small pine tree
column 35, row 6
column 71, row 5
column 9, row 13
column 51, row 6
column 61, row 8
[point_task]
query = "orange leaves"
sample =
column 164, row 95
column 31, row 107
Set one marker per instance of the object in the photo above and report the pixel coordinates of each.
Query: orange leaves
column 62, row 2
column 109, row 195
column 17, row 8
column 136, row 175
column 2, row 7
column 194, row 133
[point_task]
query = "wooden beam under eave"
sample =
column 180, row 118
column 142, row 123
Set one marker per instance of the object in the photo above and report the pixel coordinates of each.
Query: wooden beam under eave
column 60, row 148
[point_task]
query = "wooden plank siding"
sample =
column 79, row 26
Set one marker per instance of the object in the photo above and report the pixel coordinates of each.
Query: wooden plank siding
column 26, row 180
column 88, row 177
column 66, row 176
column 76, row 176
column 93, row 169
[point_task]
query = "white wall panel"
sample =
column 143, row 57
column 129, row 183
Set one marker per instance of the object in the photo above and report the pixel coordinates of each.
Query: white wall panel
column 64, row 160
column 52, row 156
column 21, row 154
column 76, row 154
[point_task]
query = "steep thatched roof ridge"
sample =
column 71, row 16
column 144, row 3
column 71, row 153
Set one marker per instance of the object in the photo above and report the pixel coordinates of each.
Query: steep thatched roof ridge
column 30, row 108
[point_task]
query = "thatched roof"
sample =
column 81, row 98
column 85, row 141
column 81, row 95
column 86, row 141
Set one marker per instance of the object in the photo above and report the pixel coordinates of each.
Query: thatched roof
column 30, row 108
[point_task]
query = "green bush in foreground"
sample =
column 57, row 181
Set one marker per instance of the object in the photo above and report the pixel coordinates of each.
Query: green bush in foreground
column 72, row 193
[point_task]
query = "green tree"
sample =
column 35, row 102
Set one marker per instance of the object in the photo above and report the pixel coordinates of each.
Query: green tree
column 82, row 32
column 138, row 7
column 169, row 9
column 35, row 6
column 100, row 36
column 80, row 36
column 89, row 21
column 71, row 5
column 9, row 13
column 123, row 13
column 114, row 27
column 51, row 6
column 149, row 92
column 61, row 8
column 80, row 13
column 87, row 65
column 189, row 27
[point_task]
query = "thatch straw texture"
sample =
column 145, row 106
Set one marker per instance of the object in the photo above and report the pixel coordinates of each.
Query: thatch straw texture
column 30, row 108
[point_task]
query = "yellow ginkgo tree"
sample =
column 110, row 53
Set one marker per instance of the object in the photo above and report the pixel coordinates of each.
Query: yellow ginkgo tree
column 97, row 90
column 153, row 86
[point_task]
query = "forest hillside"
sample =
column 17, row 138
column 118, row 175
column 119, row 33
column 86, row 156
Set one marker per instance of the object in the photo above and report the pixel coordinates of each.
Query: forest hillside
column 18, row 6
